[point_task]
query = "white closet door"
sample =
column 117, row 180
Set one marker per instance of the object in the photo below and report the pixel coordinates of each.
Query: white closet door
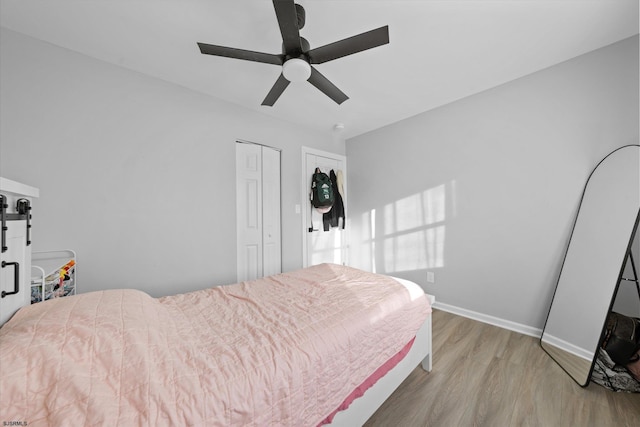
column 271, row 246
column 258, row 211
column 249, row 210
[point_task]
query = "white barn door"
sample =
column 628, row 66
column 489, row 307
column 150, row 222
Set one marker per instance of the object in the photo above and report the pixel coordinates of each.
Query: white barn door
column 321, row 246
column 258, row 211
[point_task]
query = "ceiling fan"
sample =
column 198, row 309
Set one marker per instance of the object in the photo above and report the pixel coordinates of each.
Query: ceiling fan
column 297, row 56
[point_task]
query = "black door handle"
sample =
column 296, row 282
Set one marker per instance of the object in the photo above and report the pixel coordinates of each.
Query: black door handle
column 16, row 278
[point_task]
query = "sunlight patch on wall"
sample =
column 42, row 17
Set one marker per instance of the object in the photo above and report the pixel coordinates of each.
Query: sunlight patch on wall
column 369, row 239
column 414, row 233
column 373, row 240
column 415, row 211
column 418, row 250
column 410, row 232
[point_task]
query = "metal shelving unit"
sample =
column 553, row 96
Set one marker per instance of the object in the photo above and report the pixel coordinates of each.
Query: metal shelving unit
column 53, row 274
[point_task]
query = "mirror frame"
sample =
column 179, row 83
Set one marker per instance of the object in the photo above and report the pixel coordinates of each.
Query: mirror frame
column 567, row 369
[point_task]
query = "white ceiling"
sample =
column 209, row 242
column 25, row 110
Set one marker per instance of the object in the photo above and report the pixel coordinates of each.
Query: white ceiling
column 439, row 51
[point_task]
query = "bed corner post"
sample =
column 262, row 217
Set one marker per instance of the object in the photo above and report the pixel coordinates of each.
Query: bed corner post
column 427, row 362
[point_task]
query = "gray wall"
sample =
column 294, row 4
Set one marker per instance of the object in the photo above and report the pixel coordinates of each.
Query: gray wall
column 483, row 191
column 136, row 174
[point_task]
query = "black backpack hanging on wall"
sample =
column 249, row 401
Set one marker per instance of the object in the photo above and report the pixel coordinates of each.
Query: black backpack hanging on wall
column 322, row 196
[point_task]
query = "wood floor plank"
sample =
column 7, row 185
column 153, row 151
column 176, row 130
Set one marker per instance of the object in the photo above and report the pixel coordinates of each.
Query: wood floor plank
column 494, row 401
column 445, row 407
column 484, row 375
column 540, row 397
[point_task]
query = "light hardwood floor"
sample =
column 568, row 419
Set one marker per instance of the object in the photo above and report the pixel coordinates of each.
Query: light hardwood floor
column 484, row 375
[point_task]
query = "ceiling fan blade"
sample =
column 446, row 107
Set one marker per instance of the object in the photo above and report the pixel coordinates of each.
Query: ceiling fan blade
column 326, row 87
column 249, row 55
column 275, row 92
column 349, row 46
column 288, row 22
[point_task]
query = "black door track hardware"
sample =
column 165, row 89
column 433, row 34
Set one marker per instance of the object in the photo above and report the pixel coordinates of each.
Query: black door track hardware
column 23, row 207
column 3, row 221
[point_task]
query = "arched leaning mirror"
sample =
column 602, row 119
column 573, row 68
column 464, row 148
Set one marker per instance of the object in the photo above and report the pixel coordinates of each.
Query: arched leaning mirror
column 601, row 239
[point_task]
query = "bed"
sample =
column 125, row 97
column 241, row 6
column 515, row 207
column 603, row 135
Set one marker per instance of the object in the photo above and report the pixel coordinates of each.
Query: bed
column 322, row 345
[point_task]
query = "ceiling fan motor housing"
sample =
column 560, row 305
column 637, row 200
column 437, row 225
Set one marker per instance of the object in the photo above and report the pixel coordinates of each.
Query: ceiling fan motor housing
column 304, row 44
column 301, row 14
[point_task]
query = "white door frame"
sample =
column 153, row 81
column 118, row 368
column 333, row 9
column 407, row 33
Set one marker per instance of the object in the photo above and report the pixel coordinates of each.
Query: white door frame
column 306, row 187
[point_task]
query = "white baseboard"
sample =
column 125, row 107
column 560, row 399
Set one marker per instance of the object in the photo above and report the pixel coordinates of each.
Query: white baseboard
column 485, row 318
column 568, row 347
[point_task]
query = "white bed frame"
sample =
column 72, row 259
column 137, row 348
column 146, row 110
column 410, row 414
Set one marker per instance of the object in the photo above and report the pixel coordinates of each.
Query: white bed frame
column 363, row 407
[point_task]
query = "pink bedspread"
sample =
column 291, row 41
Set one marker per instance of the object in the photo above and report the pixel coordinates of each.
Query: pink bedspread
column 280, row 351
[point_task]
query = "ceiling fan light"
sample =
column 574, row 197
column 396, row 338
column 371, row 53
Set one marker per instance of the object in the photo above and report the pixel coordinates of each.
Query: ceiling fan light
column 296, row 70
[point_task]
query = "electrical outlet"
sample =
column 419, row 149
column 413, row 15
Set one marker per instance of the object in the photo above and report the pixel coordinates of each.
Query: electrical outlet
column 431, row 277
